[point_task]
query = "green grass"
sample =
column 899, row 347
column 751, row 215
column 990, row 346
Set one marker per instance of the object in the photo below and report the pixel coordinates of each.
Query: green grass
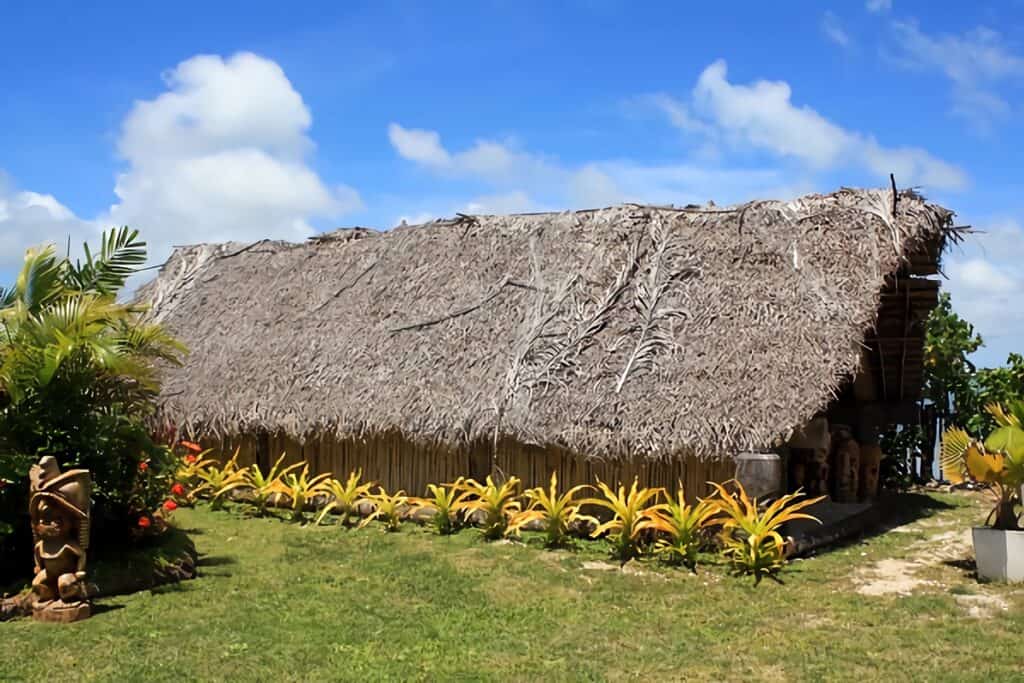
column 278, row 602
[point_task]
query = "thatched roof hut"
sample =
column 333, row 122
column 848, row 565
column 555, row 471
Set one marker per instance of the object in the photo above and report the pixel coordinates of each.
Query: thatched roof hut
column 635, row 332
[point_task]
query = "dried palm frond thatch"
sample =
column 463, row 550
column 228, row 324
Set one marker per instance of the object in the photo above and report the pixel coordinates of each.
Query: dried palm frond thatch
column 630, row 330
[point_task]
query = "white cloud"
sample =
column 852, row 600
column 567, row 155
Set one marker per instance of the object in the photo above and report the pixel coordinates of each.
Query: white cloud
column 983, row 277
column 976, row 63
column 27, row 217
column 422, row 146
column 878, row 6
column 220, row 155
column 593, row 185
column 610, row 182
column 910, row 165
column 678, row 114
column 834, row 31
column 985, row 282
column 415, row 218
column 509, row 202
column 497, row 162
column 533, row 182
column 761, row 115
column 498, row 203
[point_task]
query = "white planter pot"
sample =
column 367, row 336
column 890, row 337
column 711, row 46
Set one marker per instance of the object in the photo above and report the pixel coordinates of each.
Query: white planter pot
column 999, row 554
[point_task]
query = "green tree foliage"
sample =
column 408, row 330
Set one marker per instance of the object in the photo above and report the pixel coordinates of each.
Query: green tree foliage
column 1003, row 385
column 958, row 390
column 900, row 446
column 78, row 376
column 949, row 340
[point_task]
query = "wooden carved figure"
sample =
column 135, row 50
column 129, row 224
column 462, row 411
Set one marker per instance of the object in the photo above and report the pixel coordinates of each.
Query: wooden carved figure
column 59, row 509
column 870, row 463
column 817, row 476
column 846, row 463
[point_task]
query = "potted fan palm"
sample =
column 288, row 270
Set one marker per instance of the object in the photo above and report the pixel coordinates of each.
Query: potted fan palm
column 997, row 463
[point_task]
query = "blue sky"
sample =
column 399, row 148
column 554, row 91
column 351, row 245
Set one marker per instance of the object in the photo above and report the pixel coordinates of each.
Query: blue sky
column 211, row 121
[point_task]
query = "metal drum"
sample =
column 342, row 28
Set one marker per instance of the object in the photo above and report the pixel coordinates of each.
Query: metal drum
column 760, row 474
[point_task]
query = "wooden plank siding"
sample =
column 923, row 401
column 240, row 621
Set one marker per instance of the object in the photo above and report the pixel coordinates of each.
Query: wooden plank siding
column 395, row 463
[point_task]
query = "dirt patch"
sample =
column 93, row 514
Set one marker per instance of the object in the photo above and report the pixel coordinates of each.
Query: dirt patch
column 819, row 621
column 932, row 564
column 891, row 577
column 634, row 569
column 903, row 576
column 591, row 565
column 982, row 606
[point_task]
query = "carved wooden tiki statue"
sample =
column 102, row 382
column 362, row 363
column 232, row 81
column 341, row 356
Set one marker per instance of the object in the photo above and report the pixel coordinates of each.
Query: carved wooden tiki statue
column 59, row 509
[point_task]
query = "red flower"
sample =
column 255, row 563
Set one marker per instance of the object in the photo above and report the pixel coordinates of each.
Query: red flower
column 194, row 447
column 170, row 505
column 189, row 459
column 143, row 466
column 144, row 522
column 178, row 490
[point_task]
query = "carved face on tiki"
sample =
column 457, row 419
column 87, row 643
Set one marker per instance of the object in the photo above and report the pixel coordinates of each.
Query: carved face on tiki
column 52, row 523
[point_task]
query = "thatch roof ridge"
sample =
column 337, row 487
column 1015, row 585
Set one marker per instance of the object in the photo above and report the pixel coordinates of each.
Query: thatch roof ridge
column 628, row 329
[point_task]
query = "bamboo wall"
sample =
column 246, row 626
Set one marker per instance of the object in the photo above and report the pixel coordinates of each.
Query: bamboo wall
column 534, row 465
column 395, row 463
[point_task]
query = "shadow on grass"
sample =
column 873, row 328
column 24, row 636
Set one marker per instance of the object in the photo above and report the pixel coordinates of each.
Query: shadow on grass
column 890, row 511
column 967, row 566
column 178, row 587
column 215, row 560
column 898, row 509
column 99, row 608
column 168, row 558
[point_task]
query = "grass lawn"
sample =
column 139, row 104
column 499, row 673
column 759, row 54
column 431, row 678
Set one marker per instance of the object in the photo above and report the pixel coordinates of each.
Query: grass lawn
column 279, row 602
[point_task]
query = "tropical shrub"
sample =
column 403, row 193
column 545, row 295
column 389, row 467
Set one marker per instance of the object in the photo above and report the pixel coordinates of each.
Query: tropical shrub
column 900, row 446
column 218, row 481
column 345, row 497
column 190, row 464
column 496, row 503
column 751, row 537
column 387, row 508
column 444, row 500
column 682, row 526
column 631, row 517
column 997, row 462
column 78, row 378
column 557, row 513
column 301, row 489
column 264, row 487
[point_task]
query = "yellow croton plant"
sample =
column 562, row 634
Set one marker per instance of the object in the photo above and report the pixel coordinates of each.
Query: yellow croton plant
column 997, row 462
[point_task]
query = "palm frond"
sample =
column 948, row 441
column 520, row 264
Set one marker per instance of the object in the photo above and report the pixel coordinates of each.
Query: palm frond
column 39, row 281
column 952, row 455
column 121, row 254
column 150, row 340
column 648, row 302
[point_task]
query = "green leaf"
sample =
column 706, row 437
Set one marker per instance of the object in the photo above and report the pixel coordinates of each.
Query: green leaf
column 39, row 280
column 121, row 255
column 15, row 467
column 1009, row 440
